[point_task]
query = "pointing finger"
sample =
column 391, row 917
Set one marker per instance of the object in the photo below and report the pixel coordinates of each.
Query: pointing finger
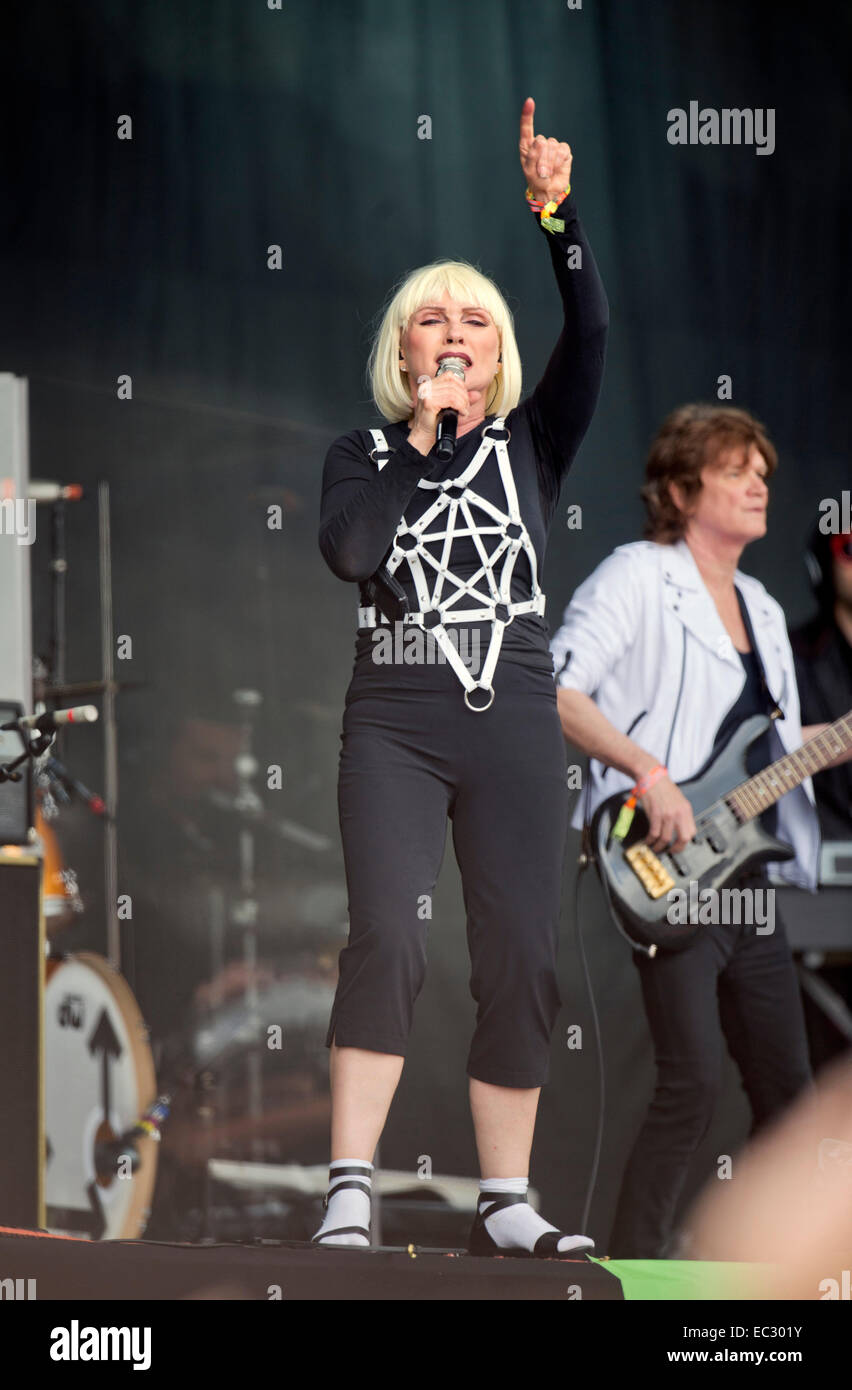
column 527, row 136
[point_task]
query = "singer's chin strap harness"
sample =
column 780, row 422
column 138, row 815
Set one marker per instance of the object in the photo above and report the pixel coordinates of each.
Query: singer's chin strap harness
column 451, row 516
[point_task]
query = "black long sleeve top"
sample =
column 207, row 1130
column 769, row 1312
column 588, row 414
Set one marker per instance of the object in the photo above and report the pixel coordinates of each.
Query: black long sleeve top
column 361, row 506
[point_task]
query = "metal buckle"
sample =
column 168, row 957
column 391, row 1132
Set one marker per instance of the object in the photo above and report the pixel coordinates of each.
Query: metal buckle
column 479, row 709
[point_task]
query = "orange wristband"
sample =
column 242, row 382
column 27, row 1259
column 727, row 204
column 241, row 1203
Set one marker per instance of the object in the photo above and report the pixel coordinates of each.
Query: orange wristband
column 649, row 780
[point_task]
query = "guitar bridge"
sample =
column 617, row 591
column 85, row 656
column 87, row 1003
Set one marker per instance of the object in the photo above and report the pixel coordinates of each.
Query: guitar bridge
column 655, row 879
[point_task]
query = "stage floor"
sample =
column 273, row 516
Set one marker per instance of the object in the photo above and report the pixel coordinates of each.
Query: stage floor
column 64, row 1268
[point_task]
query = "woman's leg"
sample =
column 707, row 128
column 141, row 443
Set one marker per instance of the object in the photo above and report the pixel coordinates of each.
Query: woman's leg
column 509, row 825
column 504, row 1120
column 510, row 821
column 393, row 795
column 362, row 1087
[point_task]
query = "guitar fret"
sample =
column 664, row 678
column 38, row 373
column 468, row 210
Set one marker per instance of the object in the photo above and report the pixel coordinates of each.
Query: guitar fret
column 734, row 800
column 795, row 770
column 753, row 796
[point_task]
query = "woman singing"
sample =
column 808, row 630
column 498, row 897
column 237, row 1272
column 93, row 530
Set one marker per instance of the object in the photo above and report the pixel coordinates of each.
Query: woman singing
column 459, row 719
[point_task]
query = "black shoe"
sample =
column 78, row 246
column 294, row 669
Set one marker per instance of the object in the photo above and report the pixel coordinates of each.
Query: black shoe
column 545, row 1248
column 325, row 1238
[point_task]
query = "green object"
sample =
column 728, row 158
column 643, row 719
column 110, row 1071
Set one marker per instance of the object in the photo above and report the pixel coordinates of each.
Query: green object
column 553, row 224
column 687, row 1279
column 623, row 821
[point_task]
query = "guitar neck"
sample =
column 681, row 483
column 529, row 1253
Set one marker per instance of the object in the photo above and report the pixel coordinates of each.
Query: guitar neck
column 750, row 798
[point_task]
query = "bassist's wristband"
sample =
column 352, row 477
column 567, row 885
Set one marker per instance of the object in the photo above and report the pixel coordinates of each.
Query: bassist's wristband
column 624, row 819
column 649, row 780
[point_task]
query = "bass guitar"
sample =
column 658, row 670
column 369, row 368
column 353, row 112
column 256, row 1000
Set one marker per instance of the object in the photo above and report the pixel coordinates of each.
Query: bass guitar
column 642, row 884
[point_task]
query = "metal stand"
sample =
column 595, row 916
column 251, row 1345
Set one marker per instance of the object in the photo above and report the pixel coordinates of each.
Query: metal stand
column 244, row 912
column 113, row 950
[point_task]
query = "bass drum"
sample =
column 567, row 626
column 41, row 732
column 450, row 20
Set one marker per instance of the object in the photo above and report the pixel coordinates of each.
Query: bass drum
column 99, row 1079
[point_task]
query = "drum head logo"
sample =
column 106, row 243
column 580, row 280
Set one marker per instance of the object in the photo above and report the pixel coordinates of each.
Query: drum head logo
column 72, row 1011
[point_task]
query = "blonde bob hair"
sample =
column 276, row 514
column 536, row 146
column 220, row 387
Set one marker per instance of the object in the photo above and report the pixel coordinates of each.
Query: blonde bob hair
column 464, row 282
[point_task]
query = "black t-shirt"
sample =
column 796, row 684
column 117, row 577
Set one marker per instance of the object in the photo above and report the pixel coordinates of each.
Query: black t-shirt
column 754, row 698
column 362, row 507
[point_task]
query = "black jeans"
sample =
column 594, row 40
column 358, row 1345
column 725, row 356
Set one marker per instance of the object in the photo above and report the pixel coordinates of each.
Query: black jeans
column 728, row 982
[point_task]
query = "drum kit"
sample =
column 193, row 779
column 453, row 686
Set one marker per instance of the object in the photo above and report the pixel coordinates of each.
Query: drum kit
column 102, row 1115
column 104, row 1105
column 228, row 1094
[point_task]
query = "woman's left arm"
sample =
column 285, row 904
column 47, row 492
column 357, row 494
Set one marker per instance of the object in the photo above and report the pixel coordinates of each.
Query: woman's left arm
column 561, row 407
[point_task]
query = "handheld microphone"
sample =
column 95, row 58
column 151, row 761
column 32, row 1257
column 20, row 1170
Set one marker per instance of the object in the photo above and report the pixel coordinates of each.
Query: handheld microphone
column 54, row 719
column 448, row 419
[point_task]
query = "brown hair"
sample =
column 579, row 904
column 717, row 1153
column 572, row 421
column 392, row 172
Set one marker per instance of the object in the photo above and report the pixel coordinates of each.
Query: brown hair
column 689, row 439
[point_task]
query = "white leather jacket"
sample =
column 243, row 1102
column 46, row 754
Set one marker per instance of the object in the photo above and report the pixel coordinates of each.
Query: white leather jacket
column 642, row 637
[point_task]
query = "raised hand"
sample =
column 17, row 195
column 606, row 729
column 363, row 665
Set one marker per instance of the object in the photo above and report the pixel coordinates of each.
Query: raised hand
column 546, row 162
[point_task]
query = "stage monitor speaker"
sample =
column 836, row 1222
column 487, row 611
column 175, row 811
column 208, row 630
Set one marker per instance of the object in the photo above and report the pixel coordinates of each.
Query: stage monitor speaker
column 21, row 1041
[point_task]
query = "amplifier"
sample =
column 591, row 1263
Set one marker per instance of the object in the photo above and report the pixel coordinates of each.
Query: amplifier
column 22, row 1154
column 835, row 864
column 16, row 798
column 817, row 921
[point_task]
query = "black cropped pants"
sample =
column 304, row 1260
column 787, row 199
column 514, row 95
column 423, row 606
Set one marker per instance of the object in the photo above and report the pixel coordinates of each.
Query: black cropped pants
column 410, row 758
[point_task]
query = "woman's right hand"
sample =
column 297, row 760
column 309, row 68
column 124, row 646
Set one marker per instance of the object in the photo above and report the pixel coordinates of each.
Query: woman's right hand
column 434, row 394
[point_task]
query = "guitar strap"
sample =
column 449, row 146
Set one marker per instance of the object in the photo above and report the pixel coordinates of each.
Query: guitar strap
column 775, row 712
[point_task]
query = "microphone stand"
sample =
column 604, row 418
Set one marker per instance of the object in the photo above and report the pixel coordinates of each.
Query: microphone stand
column 110, row 732
column 33, row 748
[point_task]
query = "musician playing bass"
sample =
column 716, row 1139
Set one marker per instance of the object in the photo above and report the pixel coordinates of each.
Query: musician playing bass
column 663, row 652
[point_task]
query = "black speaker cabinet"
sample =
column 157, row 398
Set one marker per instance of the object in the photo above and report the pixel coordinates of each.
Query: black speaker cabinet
column 22, row 966
column 16, row 798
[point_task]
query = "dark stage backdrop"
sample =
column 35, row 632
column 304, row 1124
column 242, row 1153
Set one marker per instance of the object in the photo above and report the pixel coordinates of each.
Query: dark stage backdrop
column 254, row 126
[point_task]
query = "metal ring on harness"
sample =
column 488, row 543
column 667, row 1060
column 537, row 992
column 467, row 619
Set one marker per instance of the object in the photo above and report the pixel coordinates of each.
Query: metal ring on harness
column 498, row 439
column 376, row 450
column 509, row 619
column 479, row 709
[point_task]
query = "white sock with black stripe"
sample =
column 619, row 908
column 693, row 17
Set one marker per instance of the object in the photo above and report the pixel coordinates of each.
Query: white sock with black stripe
column 519, row 1226
column 350, row 1182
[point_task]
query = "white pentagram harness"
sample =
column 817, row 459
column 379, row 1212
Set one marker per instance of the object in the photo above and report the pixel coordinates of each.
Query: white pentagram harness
column 499, row 542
